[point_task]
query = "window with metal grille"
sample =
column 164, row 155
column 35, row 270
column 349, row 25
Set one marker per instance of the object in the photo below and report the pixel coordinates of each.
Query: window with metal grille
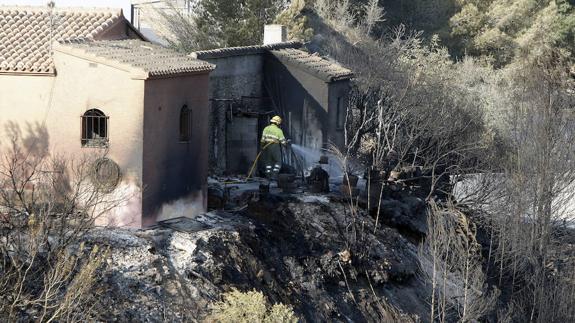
column 185, row 124
column 94, row 129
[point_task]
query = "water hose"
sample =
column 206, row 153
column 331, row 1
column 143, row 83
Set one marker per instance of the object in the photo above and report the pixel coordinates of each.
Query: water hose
column 298, row 163
column 257, row 159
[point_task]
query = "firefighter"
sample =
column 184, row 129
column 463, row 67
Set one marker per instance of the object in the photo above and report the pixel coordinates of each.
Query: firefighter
column 272, row 138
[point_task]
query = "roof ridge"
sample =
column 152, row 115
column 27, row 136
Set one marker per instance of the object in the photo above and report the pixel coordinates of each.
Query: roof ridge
column 326, row 58
column 326, row 68
column 64, row 9
column 243, row 50
column 268, row 46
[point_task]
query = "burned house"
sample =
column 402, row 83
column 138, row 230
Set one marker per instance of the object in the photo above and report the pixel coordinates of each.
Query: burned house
column 252, row 83
column 98, row 87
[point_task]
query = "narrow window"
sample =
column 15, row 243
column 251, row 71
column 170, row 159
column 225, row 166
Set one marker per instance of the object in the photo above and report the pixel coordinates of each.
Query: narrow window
column 340, row 113
column 185, row 124
column 94, row 129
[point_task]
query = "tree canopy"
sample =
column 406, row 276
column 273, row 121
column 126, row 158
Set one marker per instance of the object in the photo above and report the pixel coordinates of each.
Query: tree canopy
column 503, row 29
column 236, row 23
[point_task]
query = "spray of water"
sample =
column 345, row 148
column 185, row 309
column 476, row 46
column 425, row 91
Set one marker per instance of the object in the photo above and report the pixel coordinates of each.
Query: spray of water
column 310, row 158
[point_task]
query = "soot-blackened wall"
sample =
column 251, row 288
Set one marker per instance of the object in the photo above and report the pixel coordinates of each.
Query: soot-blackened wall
column 234, row 78
column 175, row 171
column 311, row 107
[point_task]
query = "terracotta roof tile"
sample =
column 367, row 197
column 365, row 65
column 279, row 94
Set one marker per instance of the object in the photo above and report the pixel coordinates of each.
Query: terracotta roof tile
column 324, row 68
column 244, row 50
column 25, row 34
column 153, row 60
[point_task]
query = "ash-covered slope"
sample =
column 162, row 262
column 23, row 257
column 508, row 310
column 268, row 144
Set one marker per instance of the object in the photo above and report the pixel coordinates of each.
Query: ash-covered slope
column 310, row 252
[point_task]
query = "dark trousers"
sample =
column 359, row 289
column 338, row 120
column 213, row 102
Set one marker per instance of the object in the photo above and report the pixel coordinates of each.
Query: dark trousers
column 272, row 159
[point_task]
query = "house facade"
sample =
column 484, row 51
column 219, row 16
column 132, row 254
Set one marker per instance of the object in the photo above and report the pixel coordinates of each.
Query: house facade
column 98, row 87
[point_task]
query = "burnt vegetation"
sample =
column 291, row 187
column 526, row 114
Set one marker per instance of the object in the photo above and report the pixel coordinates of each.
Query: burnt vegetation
column 47, row 206
column 468, row 208
column 466, row 106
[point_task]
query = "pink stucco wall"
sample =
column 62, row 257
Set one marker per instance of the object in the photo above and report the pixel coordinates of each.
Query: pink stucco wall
column 82, row 85
column 58, row 103
column 162, row 177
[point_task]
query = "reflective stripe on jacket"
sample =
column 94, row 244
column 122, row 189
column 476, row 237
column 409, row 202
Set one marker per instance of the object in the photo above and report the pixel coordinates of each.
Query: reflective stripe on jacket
column 273, row 133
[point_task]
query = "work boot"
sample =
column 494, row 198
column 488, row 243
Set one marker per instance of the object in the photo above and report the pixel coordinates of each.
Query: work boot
column 268, row 172
column 276, row 171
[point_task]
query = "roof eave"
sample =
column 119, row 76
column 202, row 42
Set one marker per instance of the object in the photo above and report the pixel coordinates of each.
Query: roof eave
column 24, row 73
column 174, row 75
column 101, row 35
column 136, row 31
column 342, row 78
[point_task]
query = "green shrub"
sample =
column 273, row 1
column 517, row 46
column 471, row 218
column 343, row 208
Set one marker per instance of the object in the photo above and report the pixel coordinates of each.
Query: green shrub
column 249, row 307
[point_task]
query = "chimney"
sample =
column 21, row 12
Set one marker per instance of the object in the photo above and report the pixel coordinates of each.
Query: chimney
column 274, row 34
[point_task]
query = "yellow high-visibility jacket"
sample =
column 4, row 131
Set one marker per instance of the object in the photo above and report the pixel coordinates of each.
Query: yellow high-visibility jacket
column 273, row 133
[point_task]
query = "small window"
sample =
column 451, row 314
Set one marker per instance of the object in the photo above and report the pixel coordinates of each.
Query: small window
column 340, row 113
column 94, row 129
column 185, row 124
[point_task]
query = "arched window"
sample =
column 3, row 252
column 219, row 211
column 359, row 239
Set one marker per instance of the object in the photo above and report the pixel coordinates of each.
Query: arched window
column 185, row 124
column 94, row 129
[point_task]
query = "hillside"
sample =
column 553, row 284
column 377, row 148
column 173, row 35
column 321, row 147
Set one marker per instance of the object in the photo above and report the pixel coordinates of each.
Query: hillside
column 290, row 247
